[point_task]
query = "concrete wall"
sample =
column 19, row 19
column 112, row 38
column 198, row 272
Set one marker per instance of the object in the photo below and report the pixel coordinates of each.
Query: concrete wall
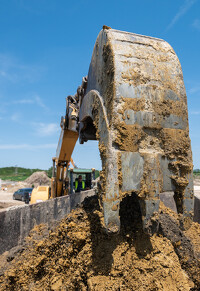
column 197, row 208
column 16, row 222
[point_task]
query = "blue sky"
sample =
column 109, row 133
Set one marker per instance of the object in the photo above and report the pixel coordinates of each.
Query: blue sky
column 45, row 50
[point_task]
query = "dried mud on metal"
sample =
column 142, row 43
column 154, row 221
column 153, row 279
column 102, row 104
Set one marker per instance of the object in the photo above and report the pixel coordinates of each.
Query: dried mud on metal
column 78, row 254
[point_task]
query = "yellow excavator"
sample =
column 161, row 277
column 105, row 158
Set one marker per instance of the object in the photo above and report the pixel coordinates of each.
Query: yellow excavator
column 133, row 102
column 69, row 178
column 68, row 138
column 43, row 193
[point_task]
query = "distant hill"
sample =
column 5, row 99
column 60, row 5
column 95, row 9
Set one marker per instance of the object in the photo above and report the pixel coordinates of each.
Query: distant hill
column 196, row 172
column 18, row 173
column 21, row 174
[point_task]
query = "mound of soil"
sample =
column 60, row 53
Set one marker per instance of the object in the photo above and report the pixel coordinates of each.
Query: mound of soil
column 78, row 254
column 38, row 178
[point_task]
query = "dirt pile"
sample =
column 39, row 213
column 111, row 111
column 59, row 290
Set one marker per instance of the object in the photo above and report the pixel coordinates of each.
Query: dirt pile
column 38, row 178
column 79, row 255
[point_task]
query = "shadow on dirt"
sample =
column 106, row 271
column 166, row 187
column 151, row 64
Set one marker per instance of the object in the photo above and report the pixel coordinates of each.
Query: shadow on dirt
column 103, row 244
column 132, row 227
column 182, row 246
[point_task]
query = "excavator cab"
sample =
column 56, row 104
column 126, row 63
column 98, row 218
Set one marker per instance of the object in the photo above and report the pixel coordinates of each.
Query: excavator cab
column 87, row 176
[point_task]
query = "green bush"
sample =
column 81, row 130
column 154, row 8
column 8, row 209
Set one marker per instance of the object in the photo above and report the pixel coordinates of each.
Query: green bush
column 16, row 173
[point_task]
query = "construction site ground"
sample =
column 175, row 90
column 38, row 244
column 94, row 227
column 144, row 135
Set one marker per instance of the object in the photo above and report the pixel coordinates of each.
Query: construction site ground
column 6, row 197
column 9, row 187
column 78, row 254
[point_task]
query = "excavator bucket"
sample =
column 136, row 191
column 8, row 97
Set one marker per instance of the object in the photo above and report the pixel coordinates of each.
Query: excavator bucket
column 135, row 105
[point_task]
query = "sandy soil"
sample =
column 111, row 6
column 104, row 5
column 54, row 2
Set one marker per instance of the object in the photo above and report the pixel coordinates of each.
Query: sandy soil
column 79, row 255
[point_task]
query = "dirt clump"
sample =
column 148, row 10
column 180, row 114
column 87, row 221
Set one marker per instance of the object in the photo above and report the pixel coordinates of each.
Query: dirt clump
column 38, row 178
column 128, row 136
column 78, row 254
column 194, row 234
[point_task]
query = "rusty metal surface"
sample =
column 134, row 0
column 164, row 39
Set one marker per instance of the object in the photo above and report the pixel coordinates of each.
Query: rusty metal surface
column 136, row 99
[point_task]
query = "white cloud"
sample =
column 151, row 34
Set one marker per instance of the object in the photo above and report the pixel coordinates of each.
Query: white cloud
column 39, row 102
column 15, row 117
column 13, row 70
column 46, row 129
column 196, row 24
column 3, row 74
column 182, row 11
column 35, row 7
column 24, row 101
column 35, row 99
column 195, row 112
column 27, row 146
column 195, row 89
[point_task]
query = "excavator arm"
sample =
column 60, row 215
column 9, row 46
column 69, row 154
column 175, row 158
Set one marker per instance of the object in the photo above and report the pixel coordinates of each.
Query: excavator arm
column 67, row 141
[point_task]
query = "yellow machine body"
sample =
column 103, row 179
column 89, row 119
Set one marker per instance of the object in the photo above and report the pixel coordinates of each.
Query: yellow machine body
column 39, row 194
